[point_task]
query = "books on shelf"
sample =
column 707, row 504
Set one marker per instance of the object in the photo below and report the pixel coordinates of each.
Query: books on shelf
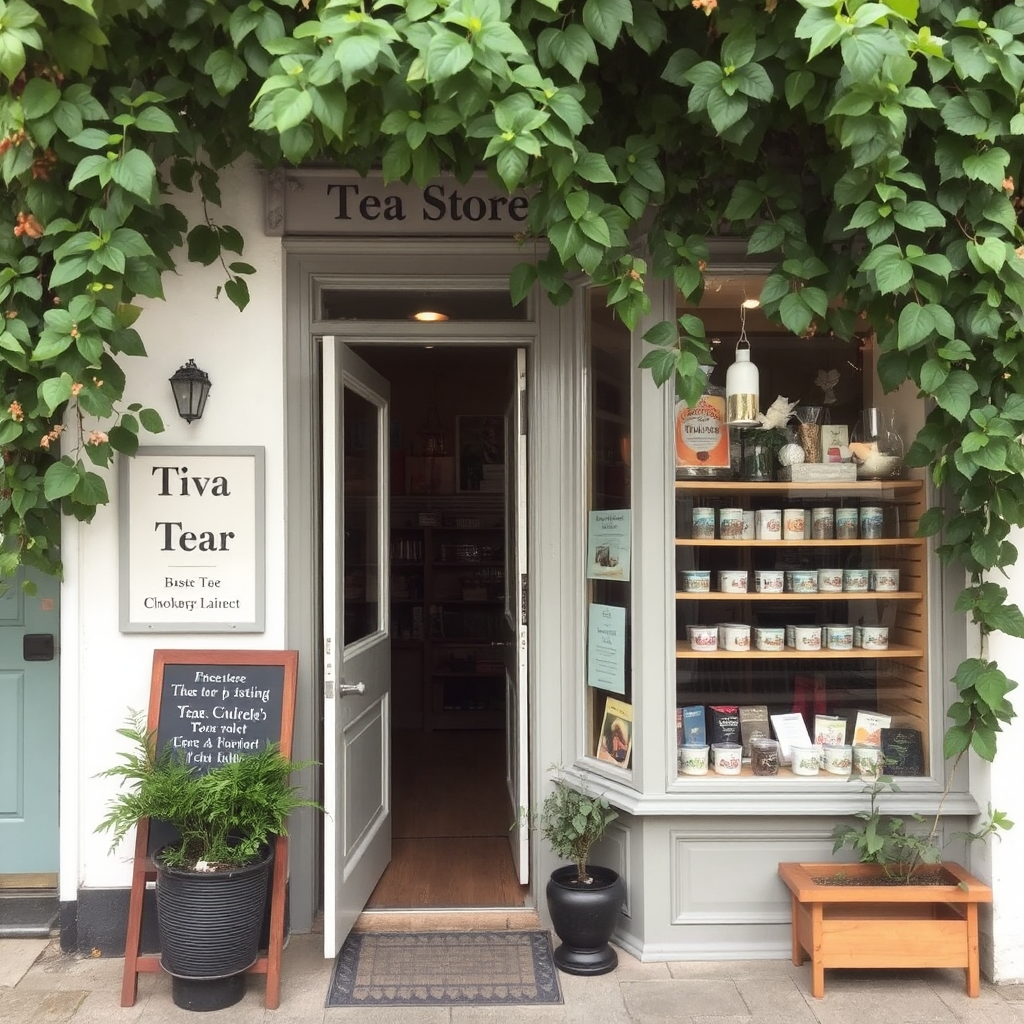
column 691, row 727
column 868, row 726
column 615, row 740
column 753, row 725
column 724, row 723
column 902, row 752
column 829, row 730
column 791, row 731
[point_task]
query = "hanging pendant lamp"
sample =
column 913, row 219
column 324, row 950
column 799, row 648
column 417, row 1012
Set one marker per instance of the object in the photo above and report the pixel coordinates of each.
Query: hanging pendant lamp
column 742, row 381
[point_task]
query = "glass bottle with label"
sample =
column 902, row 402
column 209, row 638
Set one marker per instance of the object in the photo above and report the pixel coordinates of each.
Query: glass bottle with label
column 702, row 436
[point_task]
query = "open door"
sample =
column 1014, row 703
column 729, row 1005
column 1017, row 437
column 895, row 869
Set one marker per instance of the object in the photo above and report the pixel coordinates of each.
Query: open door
column 515, row 619
column 356, row 642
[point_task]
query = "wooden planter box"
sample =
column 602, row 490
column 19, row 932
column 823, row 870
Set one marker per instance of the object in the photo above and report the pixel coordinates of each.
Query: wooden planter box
column 863, row 925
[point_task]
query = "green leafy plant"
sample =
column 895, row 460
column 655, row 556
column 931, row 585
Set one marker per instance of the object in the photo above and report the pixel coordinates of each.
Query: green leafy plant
column 892, row 842
column 571, row 820
column 224, row 817
column 869, row 154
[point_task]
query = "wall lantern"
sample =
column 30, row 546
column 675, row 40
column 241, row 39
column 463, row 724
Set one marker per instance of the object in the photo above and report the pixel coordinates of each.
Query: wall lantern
column 191, row 387
column 742, row 379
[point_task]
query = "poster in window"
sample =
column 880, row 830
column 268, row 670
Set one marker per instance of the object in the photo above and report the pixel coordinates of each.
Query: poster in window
column 615, row 742
column 608, row 545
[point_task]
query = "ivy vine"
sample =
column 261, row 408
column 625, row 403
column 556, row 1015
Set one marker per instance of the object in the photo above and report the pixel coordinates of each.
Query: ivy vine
column 871, row 150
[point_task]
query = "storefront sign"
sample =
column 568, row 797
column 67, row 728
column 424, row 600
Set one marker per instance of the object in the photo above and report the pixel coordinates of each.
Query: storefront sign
column 191, row 540
column 319, row 201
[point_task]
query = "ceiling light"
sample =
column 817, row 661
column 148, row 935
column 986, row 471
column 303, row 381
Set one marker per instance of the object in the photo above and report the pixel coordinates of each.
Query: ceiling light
column 428, row 316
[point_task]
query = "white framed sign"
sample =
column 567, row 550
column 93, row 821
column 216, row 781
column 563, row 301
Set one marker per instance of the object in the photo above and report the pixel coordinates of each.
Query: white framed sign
column 192, row 556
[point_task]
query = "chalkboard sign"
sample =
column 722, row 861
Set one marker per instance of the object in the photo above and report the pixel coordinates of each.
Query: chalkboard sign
column 213, row 707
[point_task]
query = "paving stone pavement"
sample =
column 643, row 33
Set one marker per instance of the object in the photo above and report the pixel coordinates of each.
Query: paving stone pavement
column 41, row 985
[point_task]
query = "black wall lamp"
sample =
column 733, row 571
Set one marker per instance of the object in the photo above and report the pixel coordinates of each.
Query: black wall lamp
column 191, row 387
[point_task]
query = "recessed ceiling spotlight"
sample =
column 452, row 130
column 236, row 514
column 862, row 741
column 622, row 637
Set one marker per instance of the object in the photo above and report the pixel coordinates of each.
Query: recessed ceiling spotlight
column 751, row 303
column 428, row 316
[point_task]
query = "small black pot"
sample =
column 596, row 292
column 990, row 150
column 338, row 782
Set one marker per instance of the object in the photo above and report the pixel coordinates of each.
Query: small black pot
column 584, row 918
column 209, row 924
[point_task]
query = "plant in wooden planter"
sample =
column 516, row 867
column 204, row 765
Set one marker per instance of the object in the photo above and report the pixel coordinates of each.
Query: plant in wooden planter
column 901, row 906
column 212, row 871
column 583, row 899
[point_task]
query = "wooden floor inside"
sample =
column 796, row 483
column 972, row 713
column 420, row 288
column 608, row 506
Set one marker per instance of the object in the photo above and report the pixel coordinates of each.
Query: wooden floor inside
column 450, row 824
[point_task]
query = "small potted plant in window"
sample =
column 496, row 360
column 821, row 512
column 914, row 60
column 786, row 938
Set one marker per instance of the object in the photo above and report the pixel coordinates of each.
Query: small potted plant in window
column 212, row 872
column 583, row 899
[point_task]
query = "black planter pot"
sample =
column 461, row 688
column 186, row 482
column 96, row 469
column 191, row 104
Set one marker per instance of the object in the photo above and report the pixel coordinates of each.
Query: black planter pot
column 209, row 925
column 584, row 917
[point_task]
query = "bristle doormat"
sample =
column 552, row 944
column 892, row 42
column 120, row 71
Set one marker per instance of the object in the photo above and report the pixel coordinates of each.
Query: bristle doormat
column 444, row 969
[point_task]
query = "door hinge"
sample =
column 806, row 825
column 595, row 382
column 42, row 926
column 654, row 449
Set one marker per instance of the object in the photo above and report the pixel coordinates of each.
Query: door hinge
column 524, row 592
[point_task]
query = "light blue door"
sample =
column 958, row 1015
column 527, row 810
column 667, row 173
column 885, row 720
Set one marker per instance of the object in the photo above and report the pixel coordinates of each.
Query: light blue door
column 29, row 733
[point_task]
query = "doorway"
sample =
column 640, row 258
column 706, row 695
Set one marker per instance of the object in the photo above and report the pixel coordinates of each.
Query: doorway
column 450, row 516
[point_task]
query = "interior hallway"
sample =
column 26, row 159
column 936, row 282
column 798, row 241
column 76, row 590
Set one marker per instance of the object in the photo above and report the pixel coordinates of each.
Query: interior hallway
column 451, row 818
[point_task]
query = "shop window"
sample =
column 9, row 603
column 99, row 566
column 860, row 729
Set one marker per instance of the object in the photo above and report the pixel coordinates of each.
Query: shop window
column 801, row 594
column 608, row 561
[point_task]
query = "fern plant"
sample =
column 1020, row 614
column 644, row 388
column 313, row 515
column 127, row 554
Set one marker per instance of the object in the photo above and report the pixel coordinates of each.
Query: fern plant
column 223, row 818
column 572, row 821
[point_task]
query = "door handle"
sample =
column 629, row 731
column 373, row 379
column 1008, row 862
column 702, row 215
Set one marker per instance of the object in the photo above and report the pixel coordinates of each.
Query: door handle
column 346, row 688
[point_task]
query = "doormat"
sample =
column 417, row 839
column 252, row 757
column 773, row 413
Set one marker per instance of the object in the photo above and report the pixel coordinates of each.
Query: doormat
column 444, row 969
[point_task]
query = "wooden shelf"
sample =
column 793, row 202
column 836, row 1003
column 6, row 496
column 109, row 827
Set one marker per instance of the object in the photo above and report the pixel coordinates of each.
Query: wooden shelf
column 685, row 652
column 788, row 596
column 852, row 488
column 806, row 542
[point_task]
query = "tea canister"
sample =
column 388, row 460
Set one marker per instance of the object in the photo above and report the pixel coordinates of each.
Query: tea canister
column 793, row 524
column 769, row 638
column 730, row 523
column 875, row 638
column 693, row 759
column 727, row 758
column 768, row 524
column 830, row 581
column 838, row 760
column 806, row 638
column 884, row 579
column 769, row 581
column 696, row 581
column 870, row 522
column 838, row 637
column 867, row 760
column 804, row 581
column 703, row 523
column 703, row 638
column 732, row 581
column 823, row 523
column 855, row 580
column 805, row 760
column 733, row 636
column 847, row 520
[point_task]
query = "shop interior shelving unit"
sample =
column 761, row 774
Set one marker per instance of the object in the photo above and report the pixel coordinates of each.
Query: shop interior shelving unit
column 447, row 603
column 892, row 681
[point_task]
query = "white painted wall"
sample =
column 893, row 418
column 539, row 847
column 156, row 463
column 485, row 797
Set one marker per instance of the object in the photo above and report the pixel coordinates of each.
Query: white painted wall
column 1004, row 856
column 105, row 672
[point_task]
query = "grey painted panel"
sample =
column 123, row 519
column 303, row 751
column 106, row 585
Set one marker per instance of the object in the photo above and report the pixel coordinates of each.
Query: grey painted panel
column 734, row 878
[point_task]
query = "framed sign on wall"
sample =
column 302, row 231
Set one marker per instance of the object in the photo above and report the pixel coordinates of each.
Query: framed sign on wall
column 192, row 556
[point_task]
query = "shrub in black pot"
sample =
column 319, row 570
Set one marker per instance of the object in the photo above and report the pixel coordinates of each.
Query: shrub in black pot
column 583, row 900
column 212, row 875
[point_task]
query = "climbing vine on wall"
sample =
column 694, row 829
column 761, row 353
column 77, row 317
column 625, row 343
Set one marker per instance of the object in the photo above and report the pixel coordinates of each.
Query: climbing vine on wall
column 870, row 150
